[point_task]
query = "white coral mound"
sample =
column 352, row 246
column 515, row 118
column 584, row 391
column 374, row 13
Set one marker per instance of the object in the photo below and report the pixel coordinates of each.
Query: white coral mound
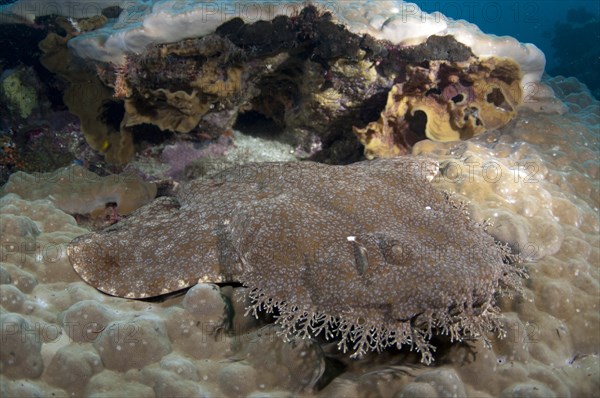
column 143, row 23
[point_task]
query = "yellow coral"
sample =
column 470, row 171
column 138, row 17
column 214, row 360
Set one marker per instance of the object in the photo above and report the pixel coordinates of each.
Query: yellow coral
column 85, row 96
column 19, row 96
column 170, row 104
column 444, row 102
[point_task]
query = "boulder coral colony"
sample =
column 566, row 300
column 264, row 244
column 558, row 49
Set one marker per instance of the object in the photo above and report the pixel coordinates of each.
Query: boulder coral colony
column 179, row 66
column 371, row 254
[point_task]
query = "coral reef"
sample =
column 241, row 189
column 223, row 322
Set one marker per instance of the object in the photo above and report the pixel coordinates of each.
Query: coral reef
column 399, row 22
column 244, row 72
column 537, row 180
column 9, row 158
column 538, row 185
column 444, row 101
column 43, row 143
column 87, row 97
column 62, row 337
column 19, row 96
column 199, row 75
column 313, row 255
column 190, row 69
column 180, row 156
column 76, row 190
column 173, row 80
column 187, row 162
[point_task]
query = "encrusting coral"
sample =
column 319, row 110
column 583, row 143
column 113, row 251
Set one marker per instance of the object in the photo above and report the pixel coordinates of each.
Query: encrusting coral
column 370, row 252
column 19, row 96
column 314, row 70
column 199, row 75
column 86, row 96
column 210, row 83
column 293, row 73
column 444, row 101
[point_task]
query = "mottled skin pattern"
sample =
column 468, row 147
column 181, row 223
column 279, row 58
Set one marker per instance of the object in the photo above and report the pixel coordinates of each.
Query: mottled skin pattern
column 370, row 251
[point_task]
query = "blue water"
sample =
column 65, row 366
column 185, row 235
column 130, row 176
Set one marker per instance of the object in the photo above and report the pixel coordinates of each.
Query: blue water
column 568, row 32
column 528, row 21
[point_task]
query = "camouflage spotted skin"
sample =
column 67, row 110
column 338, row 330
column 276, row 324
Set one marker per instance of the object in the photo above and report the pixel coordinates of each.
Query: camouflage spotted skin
column 369, row 251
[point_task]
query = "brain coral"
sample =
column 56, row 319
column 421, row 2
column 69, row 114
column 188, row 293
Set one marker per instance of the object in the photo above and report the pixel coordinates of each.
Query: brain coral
column 371, row 252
